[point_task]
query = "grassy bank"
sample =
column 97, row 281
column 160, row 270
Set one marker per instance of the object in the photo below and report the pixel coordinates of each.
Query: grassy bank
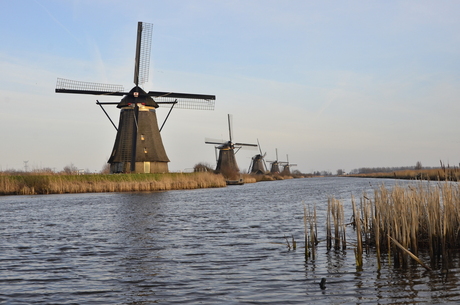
column 436, row 174
column 58, row 184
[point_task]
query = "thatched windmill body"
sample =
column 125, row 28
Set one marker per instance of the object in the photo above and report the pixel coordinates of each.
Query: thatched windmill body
column 275, row 164
column 226, row 162
column 287, row 167
column 258, row 165
column 138, row 145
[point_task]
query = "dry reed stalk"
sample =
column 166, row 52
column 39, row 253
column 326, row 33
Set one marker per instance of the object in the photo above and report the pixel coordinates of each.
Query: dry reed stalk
column 359, row 247
column 305, row 230
column 328, row 225
column 309, row 219
column 376, row 226
column 410, row 253
column 335, row 211
column 313, row 233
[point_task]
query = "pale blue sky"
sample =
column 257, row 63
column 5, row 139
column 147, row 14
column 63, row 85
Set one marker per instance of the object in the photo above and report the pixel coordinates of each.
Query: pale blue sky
column 334, row 84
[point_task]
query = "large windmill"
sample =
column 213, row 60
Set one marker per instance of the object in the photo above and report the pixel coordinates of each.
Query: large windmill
column 226, row 163
column 287, row 167
column 258, row 165
column 138, row 145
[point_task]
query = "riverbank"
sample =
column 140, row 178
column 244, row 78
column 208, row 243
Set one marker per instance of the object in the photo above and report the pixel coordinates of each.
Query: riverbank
column 35, row 184
column 436, row 174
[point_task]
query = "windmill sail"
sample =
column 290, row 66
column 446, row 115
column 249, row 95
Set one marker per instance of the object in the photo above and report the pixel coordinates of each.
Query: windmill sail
column 73, row 86
column 143, row 47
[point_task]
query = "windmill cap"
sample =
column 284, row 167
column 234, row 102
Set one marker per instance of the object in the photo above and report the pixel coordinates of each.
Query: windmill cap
column 137, row 95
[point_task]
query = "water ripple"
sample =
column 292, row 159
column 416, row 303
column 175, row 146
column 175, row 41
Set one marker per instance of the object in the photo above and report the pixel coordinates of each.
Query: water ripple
column 212, row 246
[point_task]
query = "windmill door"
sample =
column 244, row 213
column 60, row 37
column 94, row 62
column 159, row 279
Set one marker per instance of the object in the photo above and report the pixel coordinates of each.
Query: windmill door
column 146, row 167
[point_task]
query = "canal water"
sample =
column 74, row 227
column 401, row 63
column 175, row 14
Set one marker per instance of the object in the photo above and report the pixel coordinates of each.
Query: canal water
column 206, row 246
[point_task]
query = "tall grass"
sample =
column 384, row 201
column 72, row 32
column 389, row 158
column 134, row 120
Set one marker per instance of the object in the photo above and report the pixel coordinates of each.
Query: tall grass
column 58, row 184
column 444, row 173
column 335, row 219
column 310, row 231
column 407, row 221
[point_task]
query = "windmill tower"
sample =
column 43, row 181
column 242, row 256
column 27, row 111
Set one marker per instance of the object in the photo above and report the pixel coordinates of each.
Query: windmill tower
column 275, row 165
column 287, row 167
column 226, row 163
column 138, row 145
column 258, row 165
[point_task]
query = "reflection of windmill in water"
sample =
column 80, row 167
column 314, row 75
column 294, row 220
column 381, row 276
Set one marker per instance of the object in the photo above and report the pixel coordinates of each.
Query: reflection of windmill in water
column 258, row 165
column 287, row 167
column 226, row 163
column 138, row 145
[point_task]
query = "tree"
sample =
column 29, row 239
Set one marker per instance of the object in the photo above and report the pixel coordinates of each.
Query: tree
column 70, row 169
column 202, row 167
column 105, row 169
column 418, row 165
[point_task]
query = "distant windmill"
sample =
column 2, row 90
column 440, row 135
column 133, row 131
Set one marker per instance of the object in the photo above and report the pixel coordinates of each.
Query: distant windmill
column 258, row 165
column 275, row 164
column 226, row 163
column 138, row 145
column 287, row 167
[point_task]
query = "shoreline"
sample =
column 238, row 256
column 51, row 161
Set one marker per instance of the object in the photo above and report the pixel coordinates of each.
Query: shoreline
column 42, row 184
column 436, row 174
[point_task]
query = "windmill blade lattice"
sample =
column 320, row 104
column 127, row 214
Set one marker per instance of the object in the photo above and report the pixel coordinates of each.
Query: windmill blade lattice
column 185, row 103
column 73, row 86
column 143, row 47
column 245, row 144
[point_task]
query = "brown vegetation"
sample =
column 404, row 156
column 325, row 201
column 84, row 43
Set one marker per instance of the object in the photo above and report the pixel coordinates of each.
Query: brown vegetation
column 403, row 222
column 57, row 184
column 433, row 174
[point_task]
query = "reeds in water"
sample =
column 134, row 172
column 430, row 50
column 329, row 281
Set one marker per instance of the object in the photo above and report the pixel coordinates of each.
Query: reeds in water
column 335, row 218
column 404, row 221
column 310, row 231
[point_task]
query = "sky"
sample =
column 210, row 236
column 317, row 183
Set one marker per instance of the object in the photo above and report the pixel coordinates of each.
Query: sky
column 328, row 84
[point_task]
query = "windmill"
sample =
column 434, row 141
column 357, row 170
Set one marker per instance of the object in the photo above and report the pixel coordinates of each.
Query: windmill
column 138, row 145
column 258, row 165
column 275, row 165
column 287, row 167
column 226, row 163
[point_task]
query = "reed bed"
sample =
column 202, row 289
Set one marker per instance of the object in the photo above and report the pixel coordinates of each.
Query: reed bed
column 401, row 224
column 444, row 173
column 310, row 230
column 406, row 221
column 59, row 184
column 335, row 220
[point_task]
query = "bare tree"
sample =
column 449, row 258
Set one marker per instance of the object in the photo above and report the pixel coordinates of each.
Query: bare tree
column 70, row 169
